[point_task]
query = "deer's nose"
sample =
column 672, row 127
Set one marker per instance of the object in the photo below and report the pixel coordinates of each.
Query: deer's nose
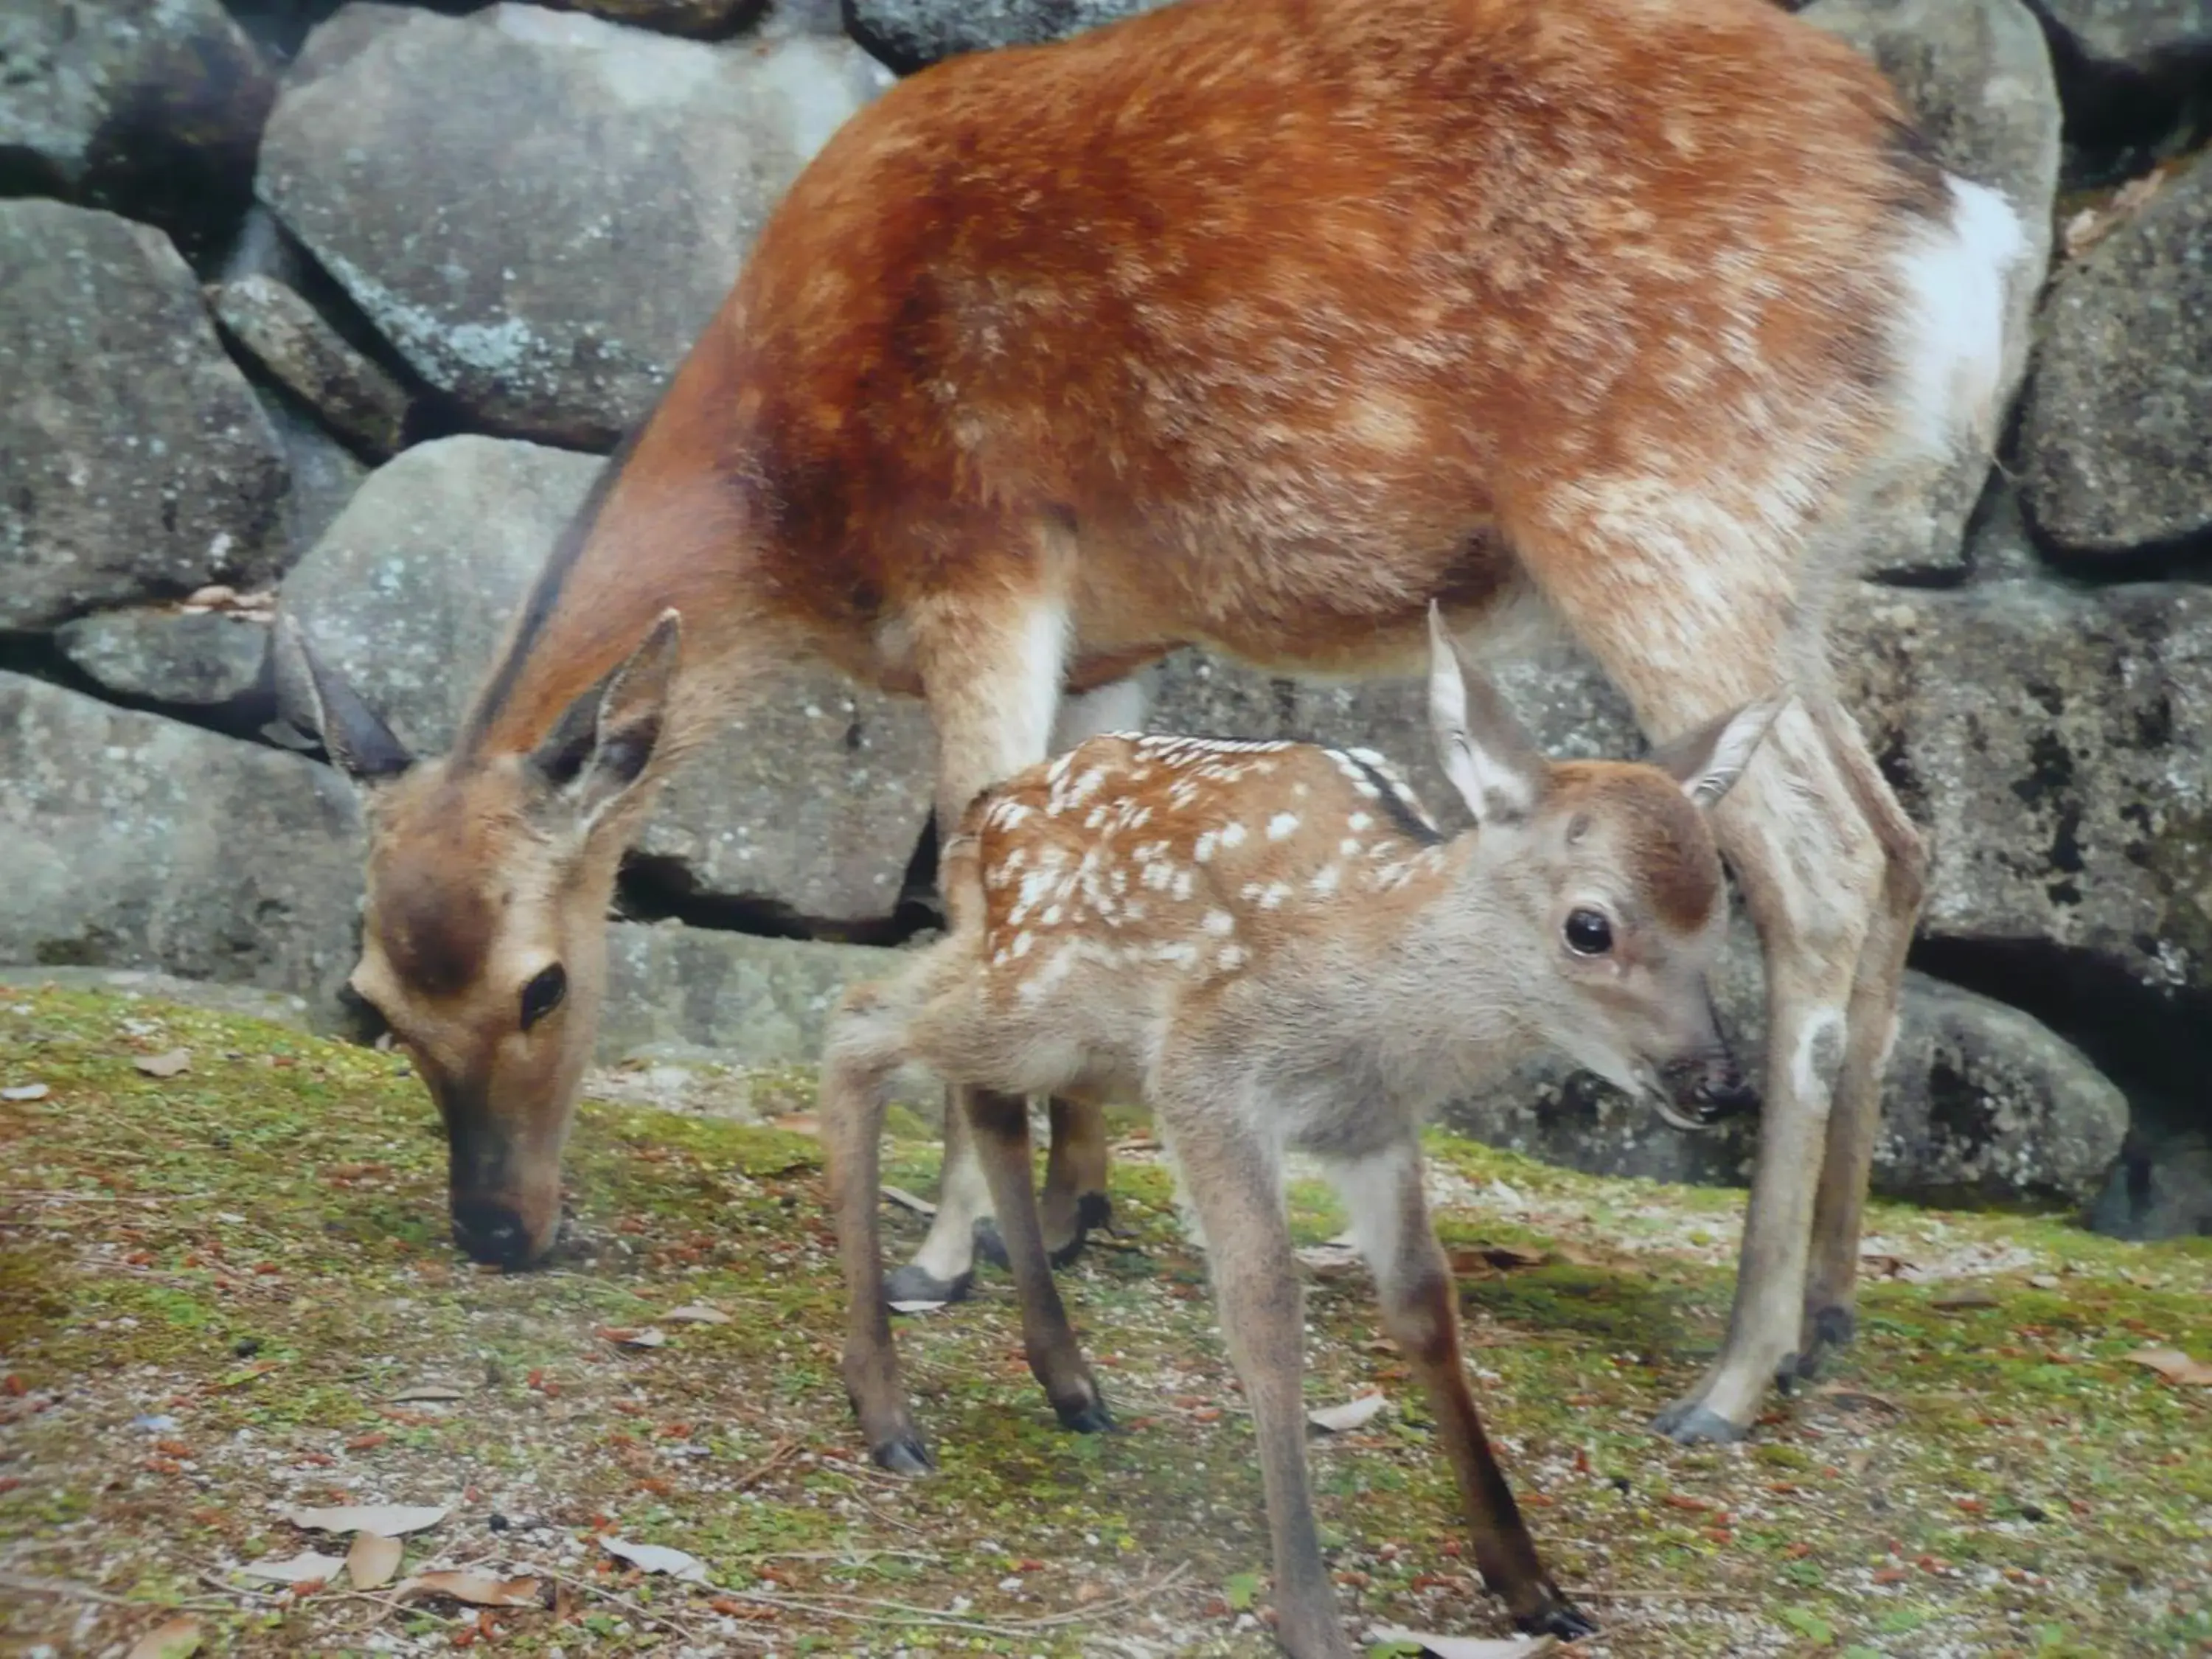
column 489, row 1231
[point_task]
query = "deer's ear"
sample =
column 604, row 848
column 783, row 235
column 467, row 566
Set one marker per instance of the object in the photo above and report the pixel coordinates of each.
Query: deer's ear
column 600, row 749
column 1707, row 762
column 313, row 698
column 1498, row 772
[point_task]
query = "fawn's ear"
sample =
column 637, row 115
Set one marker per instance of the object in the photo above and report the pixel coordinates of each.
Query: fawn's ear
column 600, row 749
column 1498, row 772
column 1707, row 762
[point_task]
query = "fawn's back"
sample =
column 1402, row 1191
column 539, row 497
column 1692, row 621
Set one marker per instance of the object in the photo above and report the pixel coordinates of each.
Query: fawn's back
column 1293, row 912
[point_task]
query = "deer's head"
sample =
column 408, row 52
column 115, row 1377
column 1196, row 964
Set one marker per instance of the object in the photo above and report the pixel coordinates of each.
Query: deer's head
column 483, row 929
column 1606, row 877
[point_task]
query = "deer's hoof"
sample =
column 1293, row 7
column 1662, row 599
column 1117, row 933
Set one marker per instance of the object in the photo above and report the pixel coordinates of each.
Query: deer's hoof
column 1084, row 1416
column 1561, row 1619
column 990, row 1248
column 1686, row 1422
column 903, row 1455
column 914, row 1283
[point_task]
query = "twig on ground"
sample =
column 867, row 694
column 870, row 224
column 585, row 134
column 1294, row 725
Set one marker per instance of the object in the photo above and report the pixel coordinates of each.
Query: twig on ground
column 29, row 1584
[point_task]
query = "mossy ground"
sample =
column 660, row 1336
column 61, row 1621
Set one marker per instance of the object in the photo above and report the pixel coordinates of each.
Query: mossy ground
column 253, row 1250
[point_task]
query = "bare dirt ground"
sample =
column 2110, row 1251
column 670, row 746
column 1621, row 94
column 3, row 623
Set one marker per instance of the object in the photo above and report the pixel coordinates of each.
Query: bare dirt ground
column 226, row 1294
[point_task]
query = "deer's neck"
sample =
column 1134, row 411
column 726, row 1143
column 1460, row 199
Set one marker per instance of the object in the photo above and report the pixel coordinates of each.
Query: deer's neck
column 665, row 526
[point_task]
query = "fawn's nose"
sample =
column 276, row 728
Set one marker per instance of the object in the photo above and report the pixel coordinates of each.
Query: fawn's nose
column 1709, row 1087
column 487, row 1230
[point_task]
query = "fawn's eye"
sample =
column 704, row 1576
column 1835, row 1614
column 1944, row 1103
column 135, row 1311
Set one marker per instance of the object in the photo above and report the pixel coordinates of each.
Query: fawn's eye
column 543, row 994
column 1588, row 934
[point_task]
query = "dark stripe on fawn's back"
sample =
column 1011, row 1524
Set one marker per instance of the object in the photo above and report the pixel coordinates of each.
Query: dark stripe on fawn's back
column 1395, row 807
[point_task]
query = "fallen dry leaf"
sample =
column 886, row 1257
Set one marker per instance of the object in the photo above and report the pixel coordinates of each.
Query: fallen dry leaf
column 798, row 1123
column 25, row 1091
column 2174, row 1366
column 1465, row 1647
column 650, row 1337
column 167, row 1065
column 697, row 1313
column 1342, row 1419
column 478, row 1590
column 372, row 1559
column 2044, row 1281
column 429, row 1391
column 174, row 1638
column 915, row 1307
column 657, row 1557
column 384, row 1520
column 906, row 1201
column 1970, row 1295
column 306, row 1568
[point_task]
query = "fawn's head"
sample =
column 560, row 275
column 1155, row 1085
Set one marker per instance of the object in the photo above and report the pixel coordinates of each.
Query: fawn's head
column 1603, row 880
column 483, row 927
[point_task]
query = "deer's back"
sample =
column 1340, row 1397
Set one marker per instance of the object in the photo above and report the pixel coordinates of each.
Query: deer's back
column 1278, row 312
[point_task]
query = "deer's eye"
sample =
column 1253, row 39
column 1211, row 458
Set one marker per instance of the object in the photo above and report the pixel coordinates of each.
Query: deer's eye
column 543, row 994
column 1588, row 934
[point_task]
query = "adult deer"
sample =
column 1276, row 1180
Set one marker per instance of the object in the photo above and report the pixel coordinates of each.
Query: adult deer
column 1271, row 945
column 1257, row 324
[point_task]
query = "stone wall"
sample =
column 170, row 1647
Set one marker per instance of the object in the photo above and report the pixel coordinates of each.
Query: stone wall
column 338, row 307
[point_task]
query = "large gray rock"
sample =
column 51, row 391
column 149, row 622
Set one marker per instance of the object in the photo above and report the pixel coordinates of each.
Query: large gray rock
column 152, row 108
column 748, row 1002
column 1976, row 77
column 2116, row 436
column 910, row 34
column 162, row 654
column 712, row 19
column 541, row 211
column 273, row 323
column 138, row 463
column 812, row 799
column 2134, row 32
column 1982, row 1103
column 2053, row 740
column 129, row 841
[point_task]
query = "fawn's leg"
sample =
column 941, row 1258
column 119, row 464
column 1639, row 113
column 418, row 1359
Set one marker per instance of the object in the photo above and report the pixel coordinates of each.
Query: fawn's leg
column 1839, row 1204
column 992, row 676
column 860, row 1056
column 1001, row 1123
column 1233, row 1185
column 1413, row 1278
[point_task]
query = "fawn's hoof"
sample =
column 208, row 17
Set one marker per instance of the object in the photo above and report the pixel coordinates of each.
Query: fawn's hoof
column 914, row 1283
column 1085, row 1416
column 1092, row 1210
column 1562, row 1619
column 1688, row 1423
column 903, row 1455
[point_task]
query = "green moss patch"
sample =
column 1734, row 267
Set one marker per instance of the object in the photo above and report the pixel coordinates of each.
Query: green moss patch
column 227, row 1291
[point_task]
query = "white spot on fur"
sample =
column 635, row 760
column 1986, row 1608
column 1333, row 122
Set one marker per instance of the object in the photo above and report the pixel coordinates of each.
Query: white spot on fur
column 1229, row 958
column 1232, row 834
column 1182, row 883
column 1203, row 850
column 1358, row 821
column 1282, row 824
column 1349, row 847
column 1022, row 943
column 1325, row 880
column 1220, row 922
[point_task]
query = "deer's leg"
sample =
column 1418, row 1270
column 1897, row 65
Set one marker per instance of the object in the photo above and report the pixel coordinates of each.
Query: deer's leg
column 1001, row 1123
column 1839, row 1204
column 861, row 1054
column 1412, row 1279
column 1691, row 605
column 1233, row 1185
column 1075, row 1197
column 1811, row 869
column 992, row 676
